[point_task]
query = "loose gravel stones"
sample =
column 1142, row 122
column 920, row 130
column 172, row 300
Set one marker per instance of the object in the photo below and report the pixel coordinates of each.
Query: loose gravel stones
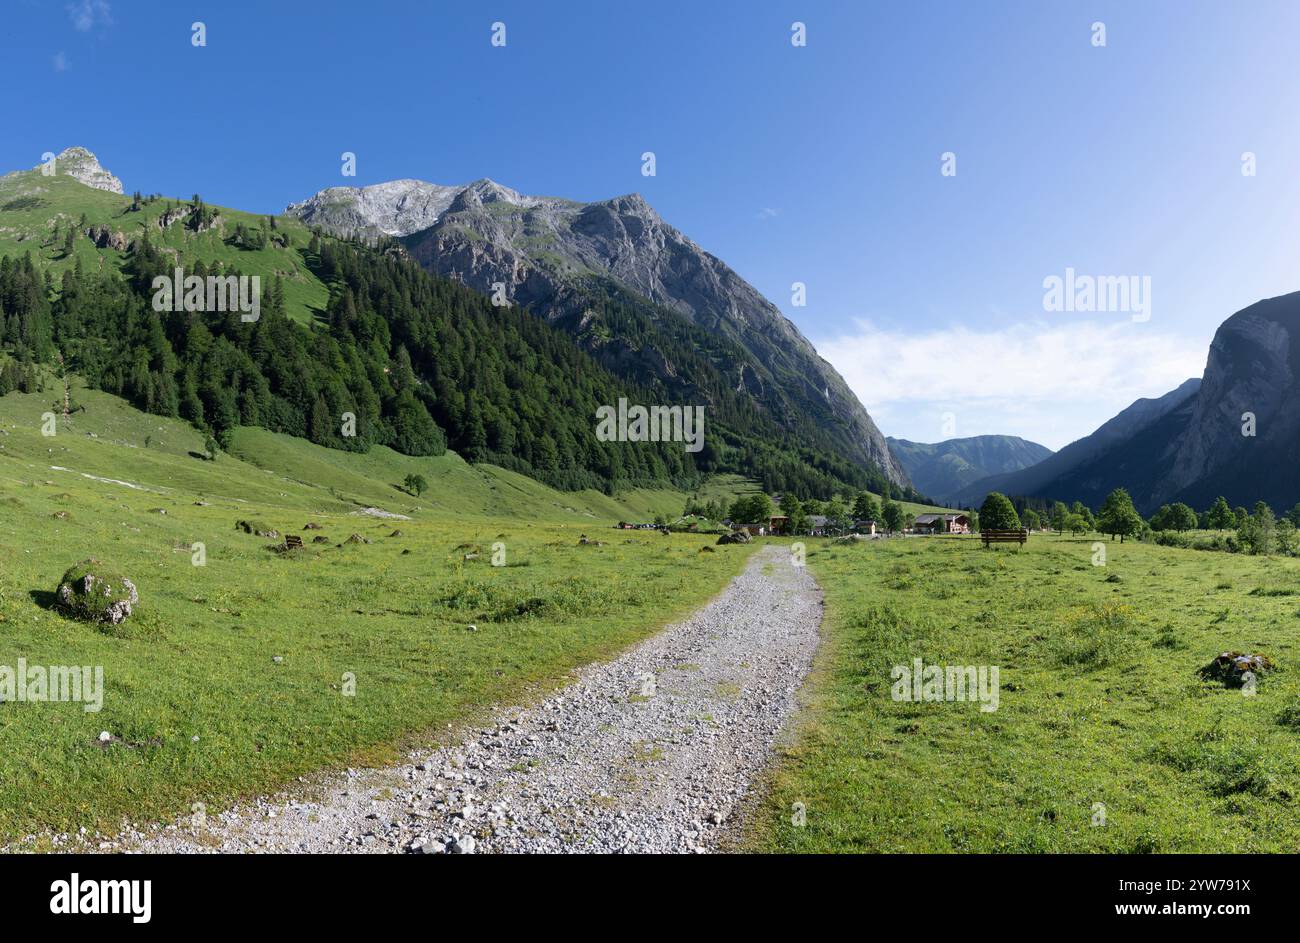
column 651, row 752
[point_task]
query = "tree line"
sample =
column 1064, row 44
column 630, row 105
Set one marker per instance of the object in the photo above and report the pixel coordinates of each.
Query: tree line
column 419, row 364
column 1257, row 531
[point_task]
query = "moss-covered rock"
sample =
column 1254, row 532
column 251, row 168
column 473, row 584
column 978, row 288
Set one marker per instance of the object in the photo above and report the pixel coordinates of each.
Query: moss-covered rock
column 91, row 592
column 1233, row 668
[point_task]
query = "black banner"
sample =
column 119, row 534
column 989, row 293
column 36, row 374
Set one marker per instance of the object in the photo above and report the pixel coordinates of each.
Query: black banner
column 139, row 894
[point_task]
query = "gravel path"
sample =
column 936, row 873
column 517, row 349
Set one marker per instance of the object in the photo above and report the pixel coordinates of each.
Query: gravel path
column 651, row 752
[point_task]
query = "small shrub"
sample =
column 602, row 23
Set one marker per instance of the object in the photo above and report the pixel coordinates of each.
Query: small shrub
column 257, row 528
column 1226, row 767
column 1290, row 715
column 1167, row 637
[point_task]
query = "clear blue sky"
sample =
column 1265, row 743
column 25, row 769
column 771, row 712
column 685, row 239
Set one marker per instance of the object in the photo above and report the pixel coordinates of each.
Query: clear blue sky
column 817, row 164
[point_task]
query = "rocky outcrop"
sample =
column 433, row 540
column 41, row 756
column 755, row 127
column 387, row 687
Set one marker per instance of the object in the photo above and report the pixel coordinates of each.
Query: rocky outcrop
column 105, row 238
column 173, row 215
column 1250, row 370
column 548, row 252
column 82, row 165
column 395, row 208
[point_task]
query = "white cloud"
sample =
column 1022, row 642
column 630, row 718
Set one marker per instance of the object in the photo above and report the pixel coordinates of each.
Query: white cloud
column 61, row 63
column 1052, row 383
column 767, row 212
column 87, row 14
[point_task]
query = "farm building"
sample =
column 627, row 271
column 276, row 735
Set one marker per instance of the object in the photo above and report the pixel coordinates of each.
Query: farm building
column 941, row 524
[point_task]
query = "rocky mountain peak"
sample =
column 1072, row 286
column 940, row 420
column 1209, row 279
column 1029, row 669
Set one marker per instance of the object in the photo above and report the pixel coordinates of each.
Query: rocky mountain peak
column 83, row 166
column 552, row 253
column 392, row 208
column 486, row 191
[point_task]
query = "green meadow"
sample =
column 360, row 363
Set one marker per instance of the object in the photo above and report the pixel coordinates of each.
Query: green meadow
column 236, row 676
column 1105, row 739
column 29, row 220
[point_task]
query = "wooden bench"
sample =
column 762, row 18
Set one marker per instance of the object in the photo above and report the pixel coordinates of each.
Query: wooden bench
column 292, row 543
column 1004, row 536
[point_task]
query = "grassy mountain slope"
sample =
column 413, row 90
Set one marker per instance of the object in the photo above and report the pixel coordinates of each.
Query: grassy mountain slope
column 33, row 207
column 487, row 376
column 204, row 711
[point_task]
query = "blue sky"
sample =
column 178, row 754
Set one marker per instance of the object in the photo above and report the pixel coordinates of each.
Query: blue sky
column 818, row 164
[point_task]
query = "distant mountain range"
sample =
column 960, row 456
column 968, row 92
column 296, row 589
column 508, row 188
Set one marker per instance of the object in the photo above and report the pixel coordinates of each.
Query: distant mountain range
column 1193, row 443
column 943, row 469
column 643, row 299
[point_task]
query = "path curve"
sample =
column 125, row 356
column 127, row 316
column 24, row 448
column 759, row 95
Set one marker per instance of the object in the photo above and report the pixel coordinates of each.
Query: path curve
column 609, row 763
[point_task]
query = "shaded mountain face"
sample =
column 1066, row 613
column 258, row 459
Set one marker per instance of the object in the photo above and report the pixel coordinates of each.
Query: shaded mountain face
column 942, row 469
column 642, row 298
column 1076, row 472
column 1189, row 445
column 1252, row 368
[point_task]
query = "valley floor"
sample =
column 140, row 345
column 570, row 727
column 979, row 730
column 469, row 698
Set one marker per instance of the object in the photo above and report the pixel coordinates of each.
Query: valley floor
column 651, row 752
column 243, row 669
column 1105, row 737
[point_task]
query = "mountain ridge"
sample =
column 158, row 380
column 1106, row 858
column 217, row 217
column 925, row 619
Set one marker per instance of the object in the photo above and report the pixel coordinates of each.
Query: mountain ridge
column 941, row 469
column 563, row 257
column 1121, row 427
column 1234, row 432
column 422, row 361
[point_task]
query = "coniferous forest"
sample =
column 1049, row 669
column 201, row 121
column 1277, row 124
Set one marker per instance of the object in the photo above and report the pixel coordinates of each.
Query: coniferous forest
column 422, row 363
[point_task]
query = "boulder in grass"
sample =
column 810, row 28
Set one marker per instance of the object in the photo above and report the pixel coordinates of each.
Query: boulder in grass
column 735, row 537
column 1231, row 668
column 91, row 592
column 357, row 539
